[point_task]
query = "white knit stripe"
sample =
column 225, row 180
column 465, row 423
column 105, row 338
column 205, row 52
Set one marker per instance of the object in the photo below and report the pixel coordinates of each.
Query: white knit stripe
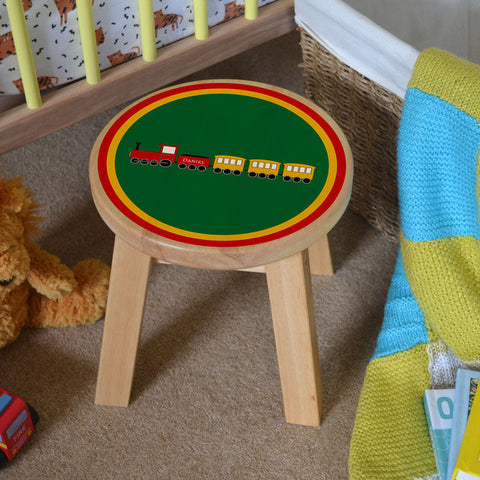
column 443, row 365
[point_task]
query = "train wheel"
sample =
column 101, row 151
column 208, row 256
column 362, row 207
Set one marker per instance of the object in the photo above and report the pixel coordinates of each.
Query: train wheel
column 297, row 179
column 192, row 167
column 237, row 172
column 201, row 168
column 165, row 163
column 153, row 163
column 144, row 161
column 262, row 175
column 134, row 160
column 272, row 176
column 252, row 174
column 217, row 170
column 306, row 180
column 182, row 166
column 227, row 171
column 3, row 459
column 287, row 178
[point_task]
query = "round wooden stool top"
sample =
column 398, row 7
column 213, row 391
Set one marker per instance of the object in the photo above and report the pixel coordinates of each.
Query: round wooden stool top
column 221, row 174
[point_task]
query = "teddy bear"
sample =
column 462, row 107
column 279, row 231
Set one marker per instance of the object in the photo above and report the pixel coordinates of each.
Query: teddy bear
column 36, row 288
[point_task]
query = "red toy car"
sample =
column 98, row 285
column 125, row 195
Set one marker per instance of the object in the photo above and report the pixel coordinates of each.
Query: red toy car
column 17, row 419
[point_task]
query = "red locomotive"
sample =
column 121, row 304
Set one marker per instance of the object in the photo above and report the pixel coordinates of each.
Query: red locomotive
column 165, row 157
column 17, row 419
column 193, row 162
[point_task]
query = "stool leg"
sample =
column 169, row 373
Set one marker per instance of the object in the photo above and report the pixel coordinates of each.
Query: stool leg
column 290, row 289
column 320, row 259
column 123, row 321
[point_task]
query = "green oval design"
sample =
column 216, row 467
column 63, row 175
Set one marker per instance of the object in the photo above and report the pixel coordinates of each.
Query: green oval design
column 221, row 124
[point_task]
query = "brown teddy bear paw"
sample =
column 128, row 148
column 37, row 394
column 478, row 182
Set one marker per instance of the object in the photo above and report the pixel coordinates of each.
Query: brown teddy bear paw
column 86, row 304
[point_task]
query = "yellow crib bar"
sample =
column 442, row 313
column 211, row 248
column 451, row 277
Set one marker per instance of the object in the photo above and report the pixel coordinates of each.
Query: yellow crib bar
column 251, row 9
column 89, row 41
column 24, row 53
column 200, row 19
column 147, row 29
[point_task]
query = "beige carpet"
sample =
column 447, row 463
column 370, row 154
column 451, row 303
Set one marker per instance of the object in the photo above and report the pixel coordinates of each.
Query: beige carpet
column 206, row 400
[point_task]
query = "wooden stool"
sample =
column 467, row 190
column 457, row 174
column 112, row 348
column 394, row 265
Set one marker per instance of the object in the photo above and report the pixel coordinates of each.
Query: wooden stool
column 222, row 175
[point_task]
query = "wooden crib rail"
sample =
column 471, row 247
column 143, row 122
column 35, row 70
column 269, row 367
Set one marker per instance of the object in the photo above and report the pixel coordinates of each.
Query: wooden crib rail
column 75, row 102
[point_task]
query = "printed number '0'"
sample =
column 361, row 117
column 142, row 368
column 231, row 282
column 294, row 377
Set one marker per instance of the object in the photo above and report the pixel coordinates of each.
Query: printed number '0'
column 445, row 407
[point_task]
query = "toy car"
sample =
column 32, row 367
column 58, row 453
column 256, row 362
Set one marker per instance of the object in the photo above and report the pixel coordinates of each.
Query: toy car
column 17, row 420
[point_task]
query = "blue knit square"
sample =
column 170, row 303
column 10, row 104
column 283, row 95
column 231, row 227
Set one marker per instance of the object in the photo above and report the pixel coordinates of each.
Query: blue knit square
column 438, row 149
column 404, row 323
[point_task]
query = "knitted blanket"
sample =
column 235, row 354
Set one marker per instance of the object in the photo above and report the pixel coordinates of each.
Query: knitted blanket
column 432, row 315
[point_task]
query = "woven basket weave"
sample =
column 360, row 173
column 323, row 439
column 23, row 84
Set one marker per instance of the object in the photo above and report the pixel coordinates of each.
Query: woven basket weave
column 369, row 115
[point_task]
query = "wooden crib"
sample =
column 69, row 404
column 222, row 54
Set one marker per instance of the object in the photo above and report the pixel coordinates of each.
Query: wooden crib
column 81, row 99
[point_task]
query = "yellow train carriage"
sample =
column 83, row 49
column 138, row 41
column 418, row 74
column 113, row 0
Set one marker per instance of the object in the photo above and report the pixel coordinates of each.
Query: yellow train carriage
column 298, row 172
column 228, row 164
column 263, row 168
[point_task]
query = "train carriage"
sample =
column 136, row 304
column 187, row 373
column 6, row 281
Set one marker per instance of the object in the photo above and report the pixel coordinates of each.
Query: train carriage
column 263, row 169
column 298, row 172
column 193, row 162
column 228, row 164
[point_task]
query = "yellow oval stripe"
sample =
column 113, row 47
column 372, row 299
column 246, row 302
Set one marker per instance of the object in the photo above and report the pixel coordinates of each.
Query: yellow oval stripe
column 112, row 175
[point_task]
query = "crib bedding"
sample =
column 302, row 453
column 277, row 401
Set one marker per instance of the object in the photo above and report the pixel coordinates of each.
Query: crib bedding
column 55, row 38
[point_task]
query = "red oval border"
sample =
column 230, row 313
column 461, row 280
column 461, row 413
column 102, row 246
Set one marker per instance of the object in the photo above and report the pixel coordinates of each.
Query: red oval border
column 334, row 192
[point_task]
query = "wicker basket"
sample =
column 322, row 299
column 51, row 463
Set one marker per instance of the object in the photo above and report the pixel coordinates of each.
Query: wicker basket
column 369, row 115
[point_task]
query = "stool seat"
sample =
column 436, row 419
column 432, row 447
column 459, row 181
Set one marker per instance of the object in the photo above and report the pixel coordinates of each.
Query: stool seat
column 220, row 175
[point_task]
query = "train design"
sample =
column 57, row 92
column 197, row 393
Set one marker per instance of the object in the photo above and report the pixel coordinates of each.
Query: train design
column 227, row 164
